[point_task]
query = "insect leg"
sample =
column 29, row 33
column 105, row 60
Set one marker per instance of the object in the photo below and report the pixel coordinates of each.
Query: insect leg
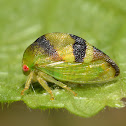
column 45, row 86
column 50, row 79
column 30, row 76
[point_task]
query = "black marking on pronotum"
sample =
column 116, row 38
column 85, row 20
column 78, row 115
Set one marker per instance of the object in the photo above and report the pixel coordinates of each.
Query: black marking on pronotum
column 45, row 44
column 79, row 48
column 113, row 64
column 97, row 50
column 107, row 59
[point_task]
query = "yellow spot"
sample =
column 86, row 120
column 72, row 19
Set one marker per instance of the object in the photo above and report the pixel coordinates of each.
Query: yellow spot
column 59, row 40
column 109, row 71
column 89, row 53
column 103, row 66
column 67, row 53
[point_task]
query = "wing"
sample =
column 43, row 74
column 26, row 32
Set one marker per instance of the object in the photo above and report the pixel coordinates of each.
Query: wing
column 97, row 71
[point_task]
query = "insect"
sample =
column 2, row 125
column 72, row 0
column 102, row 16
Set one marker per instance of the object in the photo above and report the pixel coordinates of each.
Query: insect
column 62, row 57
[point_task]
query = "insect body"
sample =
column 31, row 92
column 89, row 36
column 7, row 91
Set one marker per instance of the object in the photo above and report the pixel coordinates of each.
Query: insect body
column 61, row 57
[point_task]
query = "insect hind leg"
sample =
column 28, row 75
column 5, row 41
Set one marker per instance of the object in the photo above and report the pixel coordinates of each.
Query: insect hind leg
column 52, row 80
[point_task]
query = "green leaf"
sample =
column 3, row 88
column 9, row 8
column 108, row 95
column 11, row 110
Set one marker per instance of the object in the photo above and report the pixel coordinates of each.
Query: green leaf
column 101, row 23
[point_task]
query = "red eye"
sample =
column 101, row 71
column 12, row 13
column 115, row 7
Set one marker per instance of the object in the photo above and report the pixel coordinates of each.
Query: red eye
column 25, row 68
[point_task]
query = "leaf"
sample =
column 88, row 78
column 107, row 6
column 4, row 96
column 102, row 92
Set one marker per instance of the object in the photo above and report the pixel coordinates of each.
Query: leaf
column 101, row 23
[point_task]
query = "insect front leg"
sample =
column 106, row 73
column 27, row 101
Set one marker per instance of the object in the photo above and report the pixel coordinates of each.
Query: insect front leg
column 45, row 86
column 28, row 82
column 52, row 80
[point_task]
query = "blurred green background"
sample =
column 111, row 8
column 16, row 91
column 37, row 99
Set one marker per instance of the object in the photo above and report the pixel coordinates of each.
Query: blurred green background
column 100, row 22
